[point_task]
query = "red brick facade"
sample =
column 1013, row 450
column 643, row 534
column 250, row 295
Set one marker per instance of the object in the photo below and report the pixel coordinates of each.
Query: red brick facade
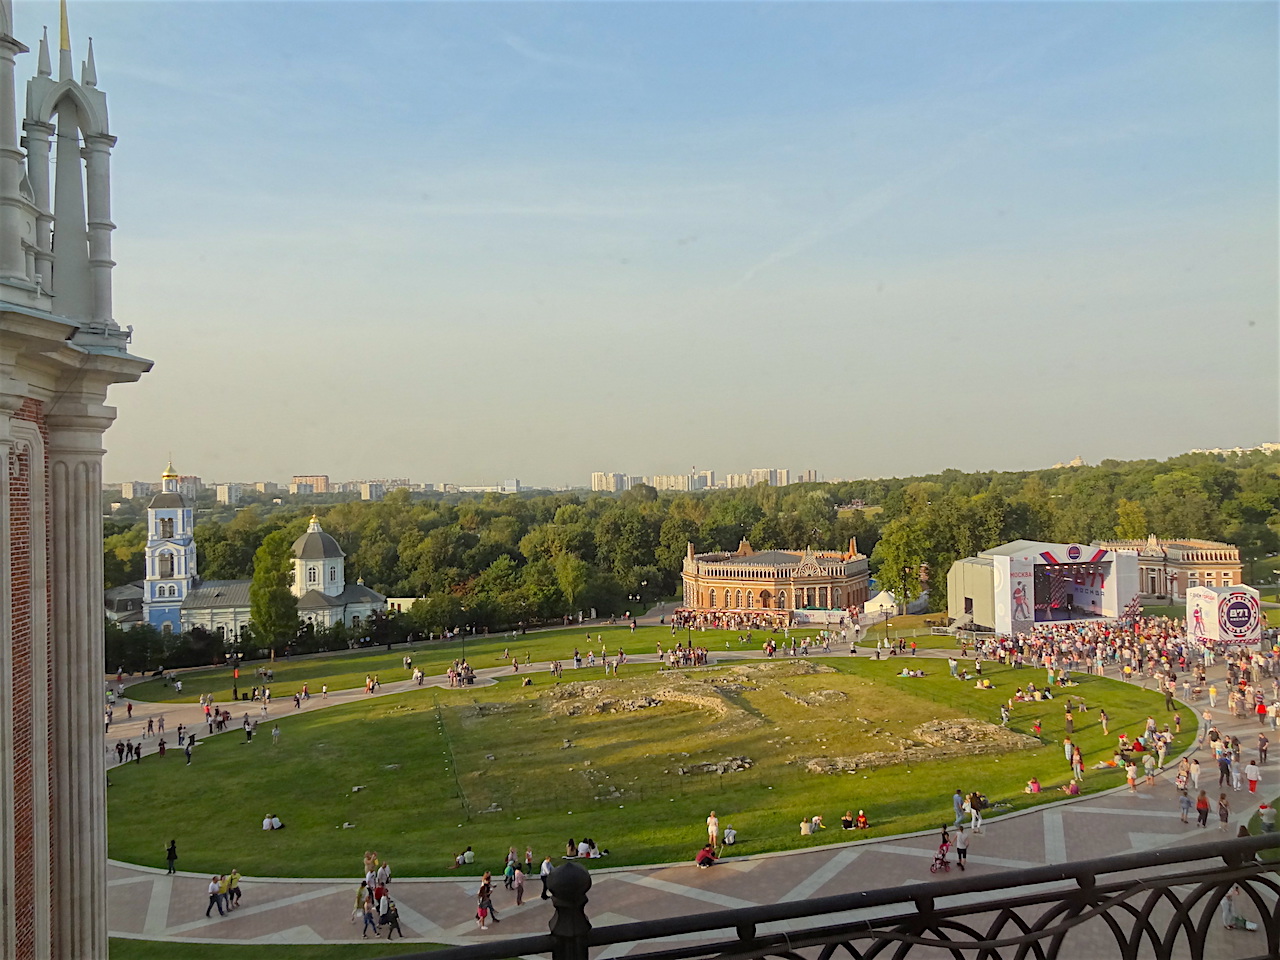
column 24, row 605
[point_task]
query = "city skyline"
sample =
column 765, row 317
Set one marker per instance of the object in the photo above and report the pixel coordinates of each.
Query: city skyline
column 889, row 239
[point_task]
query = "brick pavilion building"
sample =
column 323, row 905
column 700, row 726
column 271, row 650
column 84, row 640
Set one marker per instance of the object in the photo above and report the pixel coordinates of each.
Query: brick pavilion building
column 774, row 587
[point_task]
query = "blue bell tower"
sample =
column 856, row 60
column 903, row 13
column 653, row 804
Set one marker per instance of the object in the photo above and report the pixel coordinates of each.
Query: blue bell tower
column 170, row 555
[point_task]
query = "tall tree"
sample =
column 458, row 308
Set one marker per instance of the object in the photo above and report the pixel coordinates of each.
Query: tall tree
column 1131, row 522
column 272, row 605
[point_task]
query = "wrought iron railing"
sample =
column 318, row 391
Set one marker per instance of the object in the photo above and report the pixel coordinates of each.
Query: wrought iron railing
column 1159, row 904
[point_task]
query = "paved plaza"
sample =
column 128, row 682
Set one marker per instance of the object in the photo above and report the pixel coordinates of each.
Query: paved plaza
column 150, row 904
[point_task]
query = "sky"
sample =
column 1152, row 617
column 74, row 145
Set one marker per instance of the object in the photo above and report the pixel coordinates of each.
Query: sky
column 466, row 242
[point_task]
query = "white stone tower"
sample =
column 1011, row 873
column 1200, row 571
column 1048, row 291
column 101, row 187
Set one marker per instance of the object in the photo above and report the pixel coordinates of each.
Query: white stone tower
column 318, row 563
column 60, row 350
column 170, row 555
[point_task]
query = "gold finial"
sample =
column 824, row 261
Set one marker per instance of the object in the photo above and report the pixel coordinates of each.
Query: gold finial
column 64, row 40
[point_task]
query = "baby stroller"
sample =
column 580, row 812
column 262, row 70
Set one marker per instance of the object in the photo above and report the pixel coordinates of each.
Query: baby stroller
column 940, row 861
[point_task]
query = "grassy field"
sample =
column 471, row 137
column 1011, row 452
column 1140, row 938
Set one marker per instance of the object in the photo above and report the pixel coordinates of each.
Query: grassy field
column 126, row 949
column 345, row 669
column 443, row 769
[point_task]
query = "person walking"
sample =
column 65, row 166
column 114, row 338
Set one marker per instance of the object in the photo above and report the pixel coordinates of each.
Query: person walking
column 484, row 896
column 957, row 801
column 1185, row 805
column 214, row 899
column 1263, row 743
column 519, row 885
column 713, row 829
column 1252, row 773
column 233, row 889
column 370, row 915
column 171, row 855
column 962, row 845
column 1224, row 812
column 393, row 920
column 1202, row 809
column 543, row 873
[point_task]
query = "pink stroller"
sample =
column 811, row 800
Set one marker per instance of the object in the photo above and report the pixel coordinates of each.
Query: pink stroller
column 940, row 861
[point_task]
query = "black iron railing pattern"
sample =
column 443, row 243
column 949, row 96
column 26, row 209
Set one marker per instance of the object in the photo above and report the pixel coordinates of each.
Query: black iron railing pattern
column 1161, row 905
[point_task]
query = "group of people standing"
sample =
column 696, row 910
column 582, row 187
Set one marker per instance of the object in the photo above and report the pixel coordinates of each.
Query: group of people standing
column 373, row 900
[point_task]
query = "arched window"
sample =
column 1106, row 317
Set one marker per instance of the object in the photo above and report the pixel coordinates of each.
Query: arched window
column 312, row 576
column 835, row 596
column 333, row 574
column 166, row 628
column 765, row 599
column 713, row 598
column 751, row 600
column 737, row 599
column 173, row 590
column 164, row 567
column 166, row 529
column 782, row 599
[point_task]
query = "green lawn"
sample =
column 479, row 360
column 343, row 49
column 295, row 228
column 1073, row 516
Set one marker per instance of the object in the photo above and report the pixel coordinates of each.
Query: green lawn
column 344, row 670
column 126, row 949
column 433, row 764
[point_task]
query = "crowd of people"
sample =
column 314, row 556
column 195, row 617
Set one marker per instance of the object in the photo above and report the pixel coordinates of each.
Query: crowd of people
column 374, row 905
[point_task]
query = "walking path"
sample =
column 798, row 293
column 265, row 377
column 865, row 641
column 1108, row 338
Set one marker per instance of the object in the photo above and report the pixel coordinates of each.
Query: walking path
column 147, row 903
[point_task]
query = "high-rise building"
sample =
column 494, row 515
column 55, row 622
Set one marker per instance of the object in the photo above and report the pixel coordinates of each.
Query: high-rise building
column 190, row 486
column 372, row 491
column 136, row 488
column 765, row 475
column 672, row 481
column 62, row 350
column 228, row 493
column 265, row 486
column 783, row 477
column 299, row 488
column 608, row 482
column 319, row 483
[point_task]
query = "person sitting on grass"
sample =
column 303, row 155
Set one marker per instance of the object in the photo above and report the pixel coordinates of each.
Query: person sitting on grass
column 706, row 857
column 847, row 820
column 862, row 823
column 272, row 822
column 1033, row 786
column 571, row 849
column 806, row 828
column 1072, row 788
column 817, row 823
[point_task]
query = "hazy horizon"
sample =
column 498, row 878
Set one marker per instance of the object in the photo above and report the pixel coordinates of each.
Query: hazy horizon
column 466, row 242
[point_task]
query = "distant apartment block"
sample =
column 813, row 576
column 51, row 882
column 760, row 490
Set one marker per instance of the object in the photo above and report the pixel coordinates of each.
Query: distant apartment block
column 229, row 493
column 609, row 482
column 372, row 491
column 672, row 481
column 190, row 486
column 319, row 483
column 298, row 488
column 265, row 486
column 1224, row 451
column 136, row 488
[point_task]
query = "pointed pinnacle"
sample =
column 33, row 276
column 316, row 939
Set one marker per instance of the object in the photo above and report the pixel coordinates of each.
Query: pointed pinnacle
column 89, row 70
column 44, row 67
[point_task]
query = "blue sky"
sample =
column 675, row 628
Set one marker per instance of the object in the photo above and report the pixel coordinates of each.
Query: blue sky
column 470, row 241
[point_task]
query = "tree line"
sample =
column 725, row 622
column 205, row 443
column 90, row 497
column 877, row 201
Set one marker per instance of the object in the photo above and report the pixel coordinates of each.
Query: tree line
column 494, row 561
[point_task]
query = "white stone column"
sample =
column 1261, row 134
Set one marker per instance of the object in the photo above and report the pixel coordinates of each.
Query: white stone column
column 97, row 158
column 79, row 839
column 13, row 261
column 38, row 147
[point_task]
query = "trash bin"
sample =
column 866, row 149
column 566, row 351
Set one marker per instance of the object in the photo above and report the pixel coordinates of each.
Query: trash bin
column 244, row 696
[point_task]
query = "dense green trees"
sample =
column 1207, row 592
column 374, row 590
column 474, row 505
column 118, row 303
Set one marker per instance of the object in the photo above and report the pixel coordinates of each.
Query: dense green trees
column 494, row 561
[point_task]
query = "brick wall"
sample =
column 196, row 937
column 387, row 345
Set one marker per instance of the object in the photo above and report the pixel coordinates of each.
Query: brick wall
column 32, row 875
